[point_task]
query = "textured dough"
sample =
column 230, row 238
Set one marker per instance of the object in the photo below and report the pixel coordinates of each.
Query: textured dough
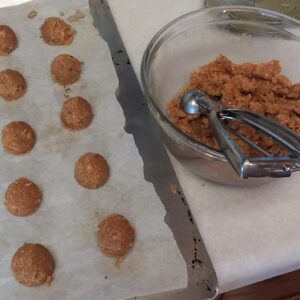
column 12, row 85
column 8, row 40
column 65, row 69
column 33, row 265
column 76, row 113
column 91, row 170
column 18, row 137
column 23, row 197
column 260, row 88
column 116, row 236
column 56, row 31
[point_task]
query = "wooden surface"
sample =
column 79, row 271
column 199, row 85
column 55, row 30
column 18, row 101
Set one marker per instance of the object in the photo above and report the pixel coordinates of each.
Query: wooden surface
column 285, row 287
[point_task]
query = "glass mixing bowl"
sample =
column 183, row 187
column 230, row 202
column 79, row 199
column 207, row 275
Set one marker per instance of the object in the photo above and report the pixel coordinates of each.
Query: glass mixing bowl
column 243, row 34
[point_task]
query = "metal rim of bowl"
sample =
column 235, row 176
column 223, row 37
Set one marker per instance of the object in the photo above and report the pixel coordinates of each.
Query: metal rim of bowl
column 154, row 46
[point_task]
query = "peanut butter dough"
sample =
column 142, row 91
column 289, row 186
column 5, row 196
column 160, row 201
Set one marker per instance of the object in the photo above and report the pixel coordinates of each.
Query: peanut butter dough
column 91, row 170
column 33, row 265
column 256, row 87
column 18, row 137
column 56, row 31
column 116, row 236
column 23, row 197
column 65, row 69
column 12, row 85
column 76, row 114
column 8, row 40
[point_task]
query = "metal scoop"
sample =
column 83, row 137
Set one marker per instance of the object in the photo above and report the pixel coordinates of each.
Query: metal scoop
column 195, row 102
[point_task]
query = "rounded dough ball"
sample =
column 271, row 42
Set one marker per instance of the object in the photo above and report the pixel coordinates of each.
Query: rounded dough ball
column 18, row 137
column 8, row 40
column 23, row 197
column 33, row 265
column 65, row 69
column 76, row 113
column 91, row 170
column 12, row 85
column 56, row 31
column 116, row 236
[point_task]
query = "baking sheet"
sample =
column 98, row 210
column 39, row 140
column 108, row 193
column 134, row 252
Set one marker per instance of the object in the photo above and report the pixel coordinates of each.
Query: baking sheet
column 67, row 220
column 250, row 233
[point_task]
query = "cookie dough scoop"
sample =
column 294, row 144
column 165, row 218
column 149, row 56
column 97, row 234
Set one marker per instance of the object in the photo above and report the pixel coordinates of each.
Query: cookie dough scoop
column 196, row 102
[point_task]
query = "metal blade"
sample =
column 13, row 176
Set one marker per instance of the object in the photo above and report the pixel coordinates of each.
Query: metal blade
column 157, row 167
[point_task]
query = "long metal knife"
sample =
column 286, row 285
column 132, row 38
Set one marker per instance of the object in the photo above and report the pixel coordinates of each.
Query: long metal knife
column 202, row 280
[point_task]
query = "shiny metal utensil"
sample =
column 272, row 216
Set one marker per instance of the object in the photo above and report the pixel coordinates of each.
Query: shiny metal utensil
column 196, row 102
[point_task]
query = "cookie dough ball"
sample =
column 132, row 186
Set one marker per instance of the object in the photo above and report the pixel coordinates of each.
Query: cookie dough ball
column 65, row 69
column 76, row 113
column 8, row 40
column 91, row 170
column 116, row 236
column 18, row 137
column 56, row 31
column 23, row 197
column 33, row 265
column 12, row 85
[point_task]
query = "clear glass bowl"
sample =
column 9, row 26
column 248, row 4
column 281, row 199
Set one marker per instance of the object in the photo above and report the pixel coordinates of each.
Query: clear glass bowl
column 243, row 34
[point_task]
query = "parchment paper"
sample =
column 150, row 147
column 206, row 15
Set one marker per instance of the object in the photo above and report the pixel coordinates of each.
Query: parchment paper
column 67, row 220
column 250, row 233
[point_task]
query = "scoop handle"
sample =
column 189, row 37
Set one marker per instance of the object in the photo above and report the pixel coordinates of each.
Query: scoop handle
column 281, row 134
column 281, row 166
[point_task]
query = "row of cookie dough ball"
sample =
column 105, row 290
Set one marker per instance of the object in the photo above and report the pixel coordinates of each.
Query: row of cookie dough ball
column 18, row 137
column 34, row 265
column 23, row 197
column 55, row 31
column 65, row 70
